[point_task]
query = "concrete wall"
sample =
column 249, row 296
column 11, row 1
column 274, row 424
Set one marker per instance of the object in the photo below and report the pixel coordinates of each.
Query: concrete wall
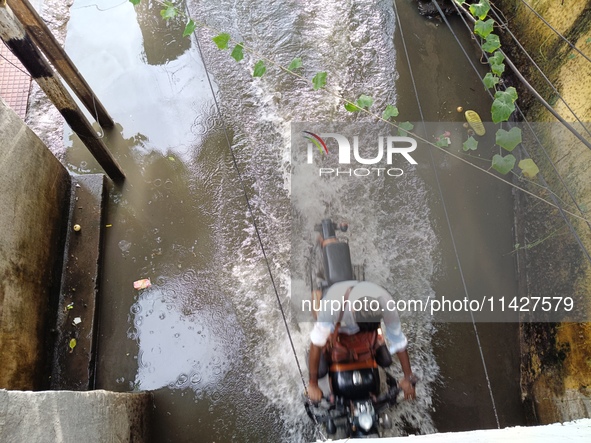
column 64, row 416
column 556, row 365
column 34, row 200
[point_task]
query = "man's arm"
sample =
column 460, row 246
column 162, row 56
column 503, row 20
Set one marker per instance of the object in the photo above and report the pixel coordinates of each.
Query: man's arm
column 407, row 383
column 314, row 392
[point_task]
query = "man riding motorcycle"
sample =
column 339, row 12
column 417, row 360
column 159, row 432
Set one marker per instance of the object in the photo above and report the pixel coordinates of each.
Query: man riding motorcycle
column 362, row 306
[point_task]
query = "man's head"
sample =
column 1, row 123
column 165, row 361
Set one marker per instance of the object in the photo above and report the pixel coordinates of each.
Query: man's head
column 366, row 310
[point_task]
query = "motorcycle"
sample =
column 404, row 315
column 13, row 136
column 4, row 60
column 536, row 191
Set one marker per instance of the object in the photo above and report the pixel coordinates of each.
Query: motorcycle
column 355, row 408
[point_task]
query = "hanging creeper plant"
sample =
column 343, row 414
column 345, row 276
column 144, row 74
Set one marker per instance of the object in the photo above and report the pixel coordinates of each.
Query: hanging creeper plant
column 504, row 101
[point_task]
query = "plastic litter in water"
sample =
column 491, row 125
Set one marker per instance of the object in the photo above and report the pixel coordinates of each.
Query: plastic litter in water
column 142, row 284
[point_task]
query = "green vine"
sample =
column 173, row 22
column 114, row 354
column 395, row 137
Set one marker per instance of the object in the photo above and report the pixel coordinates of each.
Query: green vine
column 502, row 107
column 503, row 104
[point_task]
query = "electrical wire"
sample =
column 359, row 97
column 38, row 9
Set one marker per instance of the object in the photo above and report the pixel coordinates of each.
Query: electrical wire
column 253, row 220
column 555, row 31
column 544, row 183
column 445, row 211
column 505, row 26
column 380, row 118
column 15, row 66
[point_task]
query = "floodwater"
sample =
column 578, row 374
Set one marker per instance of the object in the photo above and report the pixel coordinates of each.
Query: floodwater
column 208, row 337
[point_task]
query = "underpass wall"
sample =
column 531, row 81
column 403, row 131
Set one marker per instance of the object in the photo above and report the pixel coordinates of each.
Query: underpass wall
column 34, row 203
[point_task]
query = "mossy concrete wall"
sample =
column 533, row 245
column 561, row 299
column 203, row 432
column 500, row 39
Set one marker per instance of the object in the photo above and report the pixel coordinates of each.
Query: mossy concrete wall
column 34, row 202
column 557, row 357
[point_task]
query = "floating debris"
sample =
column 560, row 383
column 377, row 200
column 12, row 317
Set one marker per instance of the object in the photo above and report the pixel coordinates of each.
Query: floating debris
column 475, row 122
column 142, row 284
column 72, row 345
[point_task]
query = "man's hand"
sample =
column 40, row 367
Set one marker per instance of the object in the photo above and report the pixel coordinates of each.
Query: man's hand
column 314, row 393
column 407, row 387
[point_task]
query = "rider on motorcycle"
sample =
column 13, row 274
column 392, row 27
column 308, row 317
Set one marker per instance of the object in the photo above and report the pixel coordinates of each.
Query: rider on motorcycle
column 363, row 305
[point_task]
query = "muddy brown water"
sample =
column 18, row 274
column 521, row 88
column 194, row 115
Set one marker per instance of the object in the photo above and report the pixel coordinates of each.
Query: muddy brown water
column 207, row 336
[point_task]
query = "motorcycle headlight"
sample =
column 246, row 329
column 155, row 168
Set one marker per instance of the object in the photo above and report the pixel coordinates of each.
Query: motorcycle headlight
column 365, row 421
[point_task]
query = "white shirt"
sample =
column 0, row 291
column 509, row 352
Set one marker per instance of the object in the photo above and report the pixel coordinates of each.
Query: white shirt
column 332, row 305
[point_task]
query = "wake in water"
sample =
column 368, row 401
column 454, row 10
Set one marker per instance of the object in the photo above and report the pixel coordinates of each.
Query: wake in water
column 393, row 237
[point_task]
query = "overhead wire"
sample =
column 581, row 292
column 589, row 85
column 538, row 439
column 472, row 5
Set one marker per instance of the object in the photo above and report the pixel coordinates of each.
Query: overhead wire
column 555, row 30
column 505, row 27
column 545, row 184
column 532, row 90
column 380, row 118
column 15, row 66
column 253, row 220
column 447, row 219
column 443, row 202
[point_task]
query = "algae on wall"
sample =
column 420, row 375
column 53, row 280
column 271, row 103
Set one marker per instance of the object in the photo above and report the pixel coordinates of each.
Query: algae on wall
column 556, row 364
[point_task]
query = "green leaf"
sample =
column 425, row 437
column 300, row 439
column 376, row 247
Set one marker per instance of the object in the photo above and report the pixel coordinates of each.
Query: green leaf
column 296, row 63
column 483, row 29
column 319, row 80
column 503, row 106
column 470, row 145
column 237, row 53
column 512, row 93
column 259, row 69
column 72, row 344
column 498, row 69
column 135, row 2
column 480, row 9
column 492, row 43
column 390, row 111
column 189, row 28
column 503, row 164
column 364, row 101
column 490, row 80
column 496, row 62
column 529, row 168
column 508, row 140
column 352, row 108
column 169, row 12
column 497, row 58
column 443, row 140
column 404, row 127
column 222, row 40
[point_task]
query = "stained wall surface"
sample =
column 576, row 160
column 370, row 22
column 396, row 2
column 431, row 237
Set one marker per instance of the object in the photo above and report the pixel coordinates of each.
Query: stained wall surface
column 34, row 202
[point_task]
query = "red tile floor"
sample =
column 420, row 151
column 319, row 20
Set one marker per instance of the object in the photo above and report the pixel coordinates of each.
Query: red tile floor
column 14, row 82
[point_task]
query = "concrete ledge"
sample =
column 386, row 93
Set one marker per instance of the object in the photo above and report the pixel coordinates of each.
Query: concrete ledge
column 577, row 431
column 73, row 367
column 65, row 416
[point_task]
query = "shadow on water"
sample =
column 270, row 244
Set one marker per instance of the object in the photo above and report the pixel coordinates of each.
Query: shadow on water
column 207, row 337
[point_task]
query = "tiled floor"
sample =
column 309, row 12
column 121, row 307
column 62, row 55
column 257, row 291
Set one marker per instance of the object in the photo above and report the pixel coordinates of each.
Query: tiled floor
column 14, row 81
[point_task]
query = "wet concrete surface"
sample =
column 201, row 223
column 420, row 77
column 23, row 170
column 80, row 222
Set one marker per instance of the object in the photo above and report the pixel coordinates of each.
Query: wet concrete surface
column 77, row 326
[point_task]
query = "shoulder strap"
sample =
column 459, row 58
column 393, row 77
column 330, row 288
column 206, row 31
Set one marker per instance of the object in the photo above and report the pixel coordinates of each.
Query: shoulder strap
column 338, row 324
